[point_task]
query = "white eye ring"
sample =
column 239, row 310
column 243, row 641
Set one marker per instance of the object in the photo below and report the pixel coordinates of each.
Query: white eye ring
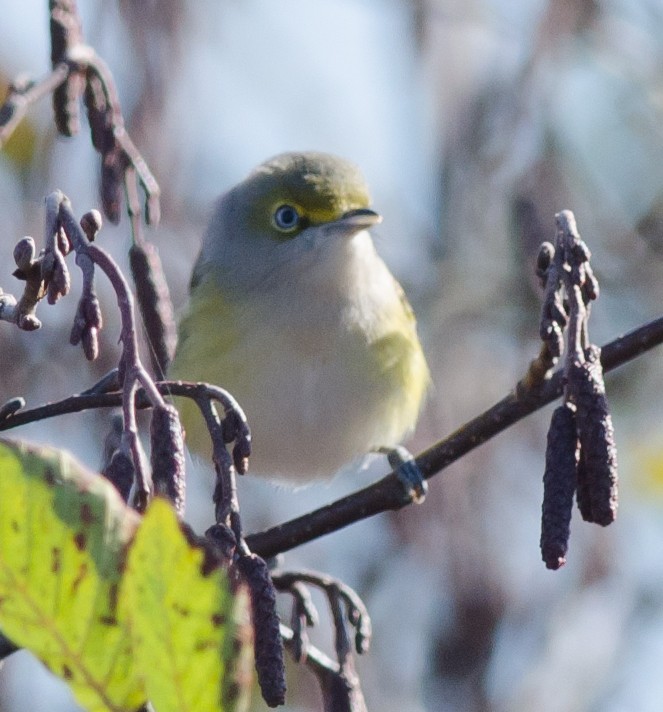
column 286, row 218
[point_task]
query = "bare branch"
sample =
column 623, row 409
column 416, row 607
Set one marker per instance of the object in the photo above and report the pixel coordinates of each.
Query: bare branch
column 387, row 493
column 22, row 94
column 78, row 72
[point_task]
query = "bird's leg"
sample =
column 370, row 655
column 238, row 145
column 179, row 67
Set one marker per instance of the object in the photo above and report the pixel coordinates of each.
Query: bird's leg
column 407, row 471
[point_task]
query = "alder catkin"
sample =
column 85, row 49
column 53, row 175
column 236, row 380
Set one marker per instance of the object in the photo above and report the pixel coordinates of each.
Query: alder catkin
column 99, row 113
column 120, row 472
column 559, row 484
column 269, row 658
column 66, row 32
column 167, row 455
column 111, row 187
column 598, row 474
column 155, row 303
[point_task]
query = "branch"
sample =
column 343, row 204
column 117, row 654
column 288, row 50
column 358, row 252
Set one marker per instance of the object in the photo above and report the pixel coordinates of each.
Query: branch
column 235, row 427
column 340, row 688
column 22, row 94
column 78, row 72
column 387, row 493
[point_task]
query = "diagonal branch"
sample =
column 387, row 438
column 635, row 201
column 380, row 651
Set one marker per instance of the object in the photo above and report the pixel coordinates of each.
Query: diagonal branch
column 22, row 94
column 387, row 493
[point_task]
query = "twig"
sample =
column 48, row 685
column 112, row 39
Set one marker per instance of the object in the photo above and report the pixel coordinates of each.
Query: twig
column 110, row 138
column 337, row 593
column 339, row 681
column 79, row 72
column 22, row 94
column 234, row 428
column 315, row 658
column 341, row 691
column 13, row 416
column 133, row 371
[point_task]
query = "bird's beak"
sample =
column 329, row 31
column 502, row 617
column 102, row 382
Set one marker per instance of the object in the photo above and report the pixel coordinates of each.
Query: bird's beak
column 356, row 220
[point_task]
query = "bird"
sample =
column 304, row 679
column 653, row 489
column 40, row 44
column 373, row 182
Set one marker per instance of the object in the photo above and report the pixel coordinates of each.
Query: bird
column 293, row 311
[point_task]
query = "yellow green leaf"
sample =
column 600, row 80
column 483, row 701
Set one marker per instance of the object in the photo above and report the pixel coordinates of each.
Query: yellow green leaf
column 63, row 535
column 186, row 623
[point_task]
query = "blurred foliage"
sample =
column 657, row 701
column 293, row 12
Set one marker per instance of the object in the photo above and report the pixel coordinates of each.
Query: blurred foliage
column 20, row 149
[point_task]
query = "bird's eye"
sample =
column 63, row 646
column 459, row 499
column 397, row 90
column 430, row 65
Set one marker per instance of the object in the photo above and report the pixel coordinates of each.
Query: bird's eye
column 286, row 218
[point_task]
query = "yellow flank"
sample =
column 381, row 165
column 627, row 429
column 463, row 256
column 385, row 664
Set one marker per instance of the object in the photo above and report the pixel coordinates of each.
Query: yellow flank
column 403, row 363
column 208, row 328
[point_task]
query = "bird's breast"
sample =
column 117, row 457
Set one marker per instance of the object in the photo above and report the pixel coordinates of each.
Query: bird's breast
column 321, row 360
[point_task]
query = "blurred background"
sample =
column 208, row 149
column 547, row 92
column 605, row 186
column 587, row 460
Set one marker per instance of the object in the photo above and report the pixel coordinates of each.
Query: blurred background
column 474, row 122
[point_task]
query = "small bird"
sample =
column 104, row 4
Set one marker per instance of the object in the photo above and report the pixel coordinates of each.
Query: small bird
column 293, row 312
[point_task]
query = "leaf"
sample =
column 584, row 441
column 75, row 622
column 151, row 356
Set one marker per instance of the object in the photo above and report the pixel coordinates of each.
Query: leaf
column 187, row 626
column 63, row 535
